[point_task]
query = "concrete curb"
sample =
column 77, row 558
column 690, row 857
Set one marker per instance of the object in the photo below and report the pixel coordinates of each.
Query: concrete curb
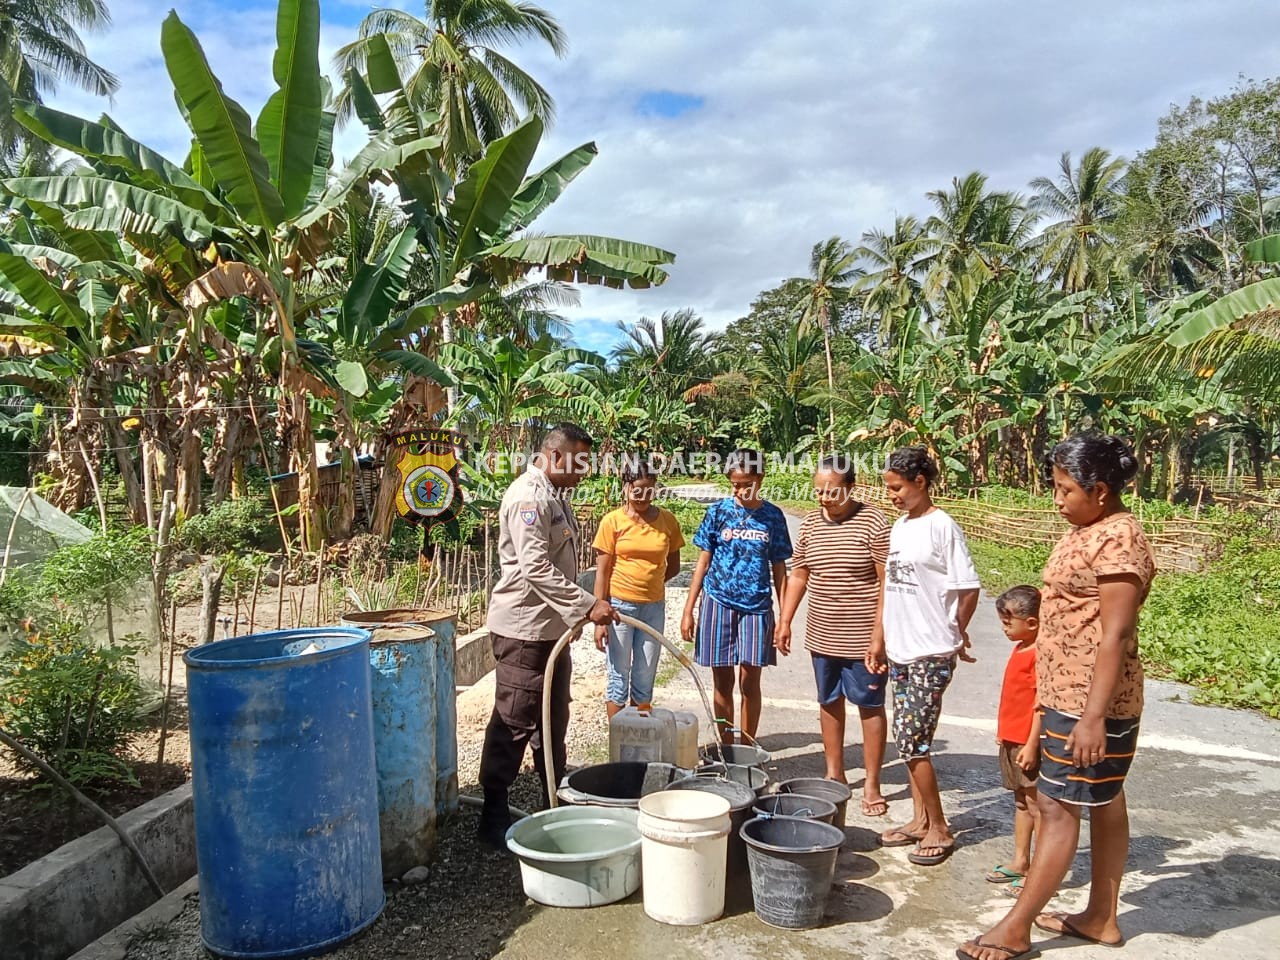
column 473, row 657
column 114, row 944
column 51, row 908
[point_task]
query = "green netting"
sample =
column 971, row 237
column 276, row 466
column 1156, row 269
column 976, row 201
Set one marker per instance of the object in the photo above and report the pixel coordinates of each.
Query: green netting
column 41, row 528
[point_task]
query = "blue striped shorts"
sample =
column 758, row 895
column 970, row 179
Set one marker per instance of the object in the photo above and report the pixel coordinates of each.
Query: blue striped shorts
column 728, row 637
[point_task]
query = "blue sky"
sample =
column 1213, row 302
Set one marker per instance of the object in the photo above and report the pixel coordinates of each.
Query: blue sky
column 738, row 135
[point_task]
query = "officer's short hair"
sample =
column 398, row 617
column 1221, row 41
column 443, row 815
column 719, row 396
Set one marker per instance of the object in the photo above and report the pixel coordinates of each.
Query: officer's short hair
column 564, row 434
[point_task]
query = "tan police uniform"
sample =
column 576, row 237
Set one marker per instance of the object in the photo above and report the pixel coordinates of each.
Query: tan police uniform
column 535, row 600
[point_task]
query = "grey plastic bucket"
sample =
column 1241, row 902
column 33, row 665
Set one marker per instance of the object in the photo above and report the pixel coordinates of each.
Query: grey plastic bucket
column 753, row 777
column 837, row 793
column 743, row 754
column 795, row 805
column 792, row 863
column 740, row 797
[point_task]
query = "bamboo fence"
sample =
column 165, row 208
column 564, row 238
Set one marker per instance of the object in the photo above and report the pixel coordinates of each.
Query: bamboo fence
column 1182, row 544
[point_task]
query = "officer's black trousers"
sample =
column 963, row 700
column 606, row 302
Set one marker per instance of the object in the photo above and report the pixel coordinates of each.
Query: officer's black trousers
column 516, row 721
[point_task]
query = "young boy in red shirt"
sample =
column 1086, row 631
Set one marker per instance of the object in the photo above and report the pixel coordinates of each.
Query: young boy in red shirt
column 1018, row 728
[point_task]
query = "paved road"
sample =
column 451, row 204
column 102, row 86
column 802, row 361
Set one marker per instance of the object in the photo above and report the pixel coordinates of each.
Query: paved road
column 1204, row 878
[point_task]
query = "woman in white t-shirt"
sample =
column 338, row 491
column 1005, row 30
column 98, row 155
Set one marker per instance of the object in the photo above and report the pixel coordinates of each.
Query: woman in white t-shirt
column 930, row 593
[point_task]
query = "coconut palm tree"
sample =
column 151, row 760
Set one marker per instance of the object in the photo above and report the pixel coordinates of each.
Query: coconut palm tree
column 975, row 235
column 40, row 48
column 1085, row 200
column 673, row 353
column 891, row 271
column 453, row 67
column 831, row 272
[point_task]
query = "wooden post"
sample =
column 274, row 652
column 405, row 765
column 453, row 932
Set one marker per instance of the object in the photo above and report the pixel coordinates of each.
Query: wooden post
column 280, row 593
column 319, row 584
column 102, row 514
column 253, row 599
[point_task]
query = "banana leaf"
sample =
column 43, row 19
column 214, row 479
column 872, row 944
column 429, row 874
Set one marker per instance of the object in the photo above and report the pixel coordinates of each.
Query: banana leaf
column 99, row 204
column 544, row 188
column 98, row 141
column 1255, row 298
column 222, row 126
column 485, row 194
column 289, row 126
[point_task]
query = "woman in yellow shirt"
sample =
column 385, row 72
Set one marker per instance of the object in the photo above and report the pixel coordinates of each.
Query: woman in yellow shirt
column 637, row 552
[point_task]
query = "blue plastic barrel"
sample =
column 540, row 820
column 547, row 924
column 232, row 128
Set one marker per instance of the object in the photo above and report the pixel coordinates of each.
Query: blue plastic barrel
column 285, row 791
column 414, row 729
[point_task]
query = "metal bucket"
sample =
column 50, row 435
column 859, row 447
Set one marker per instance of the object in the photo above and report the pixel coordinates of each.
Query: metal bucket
column 414, row 725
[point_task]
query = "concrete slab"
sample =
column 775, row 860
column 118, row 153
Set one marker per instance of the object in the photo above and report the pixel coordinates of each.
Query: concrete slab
column 473, row 657
column 1204, row 875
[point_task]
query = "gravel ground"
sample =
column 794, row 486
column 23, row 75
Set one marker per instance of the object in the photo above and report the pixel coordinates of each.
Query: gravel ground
column 472, row 900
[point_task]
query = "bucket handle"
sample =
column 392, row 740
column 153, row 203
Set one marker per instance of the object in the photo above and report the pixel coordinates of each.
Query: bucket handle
column 739, row 730
column 802, row 812
column 680, row 837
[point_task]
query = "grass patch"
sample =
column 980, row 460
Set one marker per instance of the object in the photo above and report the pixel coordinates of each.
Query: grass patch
column 1218, row 630
column 1002, row 567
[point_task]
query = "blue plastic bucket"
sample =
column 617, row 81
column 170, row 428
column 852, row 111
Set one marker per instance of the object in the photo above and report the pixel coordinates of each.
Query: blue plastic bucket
column 285, row 791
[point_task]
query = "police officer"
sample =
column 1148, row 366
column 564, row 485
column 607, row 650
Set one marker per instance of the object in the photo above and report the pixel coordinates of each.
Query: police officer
column 536, row 599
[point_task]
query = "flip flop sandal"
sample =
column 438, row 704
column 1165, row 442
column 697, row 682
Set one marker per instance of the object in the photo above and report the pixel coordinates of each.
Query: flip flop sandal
column 1070, row 930
column 875, row 808
column 1009, row 952
column 902, row 839
column 1002, row 874
column 932, row 859
column 1014, row 889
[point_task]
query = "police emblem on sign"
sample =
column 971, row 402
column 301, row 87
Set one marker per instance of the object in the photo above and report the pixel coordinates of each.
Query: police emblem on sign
column 428, row 492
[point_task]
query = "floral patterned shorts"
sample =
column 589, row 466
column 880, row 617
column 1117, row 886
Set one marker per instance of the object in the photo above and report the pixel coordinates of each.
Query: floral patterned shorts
column 917, row 702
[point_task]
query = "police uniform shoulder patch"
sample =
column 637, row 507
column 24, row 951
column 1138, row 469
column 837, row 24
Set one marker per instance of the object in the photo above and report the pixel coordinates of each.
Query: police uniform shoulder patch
column 529, row 513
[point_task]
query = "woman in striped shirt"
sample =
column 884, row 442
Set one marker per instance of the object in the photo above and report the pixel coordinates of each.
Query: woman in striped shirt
column 839, row 561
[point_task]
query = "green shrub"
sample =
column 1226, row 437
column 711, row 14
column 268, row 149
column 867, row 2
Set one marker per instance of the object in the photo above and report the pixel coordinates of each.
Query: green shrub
column 1218, row 630
column 72, row 703
column 76, row 582
column 228, row 526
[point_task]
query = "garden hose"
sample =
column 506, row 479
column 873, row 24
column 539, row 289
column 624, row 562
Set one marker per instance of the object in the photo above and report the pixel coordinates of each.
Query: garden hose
column 548, row 753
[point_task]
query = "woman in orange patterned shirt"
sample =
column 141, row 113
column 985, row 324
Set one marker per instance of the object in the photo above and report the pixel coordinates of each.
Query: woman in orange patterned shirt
column 1089, row 687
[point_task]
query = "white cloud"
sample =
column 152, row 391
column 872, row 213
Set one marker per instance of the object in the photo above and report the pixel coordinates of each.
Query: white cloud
column 818, row 118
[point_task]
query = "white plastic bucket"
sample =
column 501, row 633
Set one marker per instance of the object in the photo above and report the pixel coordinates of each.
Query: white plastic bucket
column 685, row 836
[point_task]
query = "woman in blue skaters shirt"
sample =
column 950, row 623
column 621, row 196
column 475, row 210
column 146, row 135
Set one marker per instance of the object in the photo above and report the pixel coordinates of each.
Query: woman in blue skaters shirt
column 742, row 567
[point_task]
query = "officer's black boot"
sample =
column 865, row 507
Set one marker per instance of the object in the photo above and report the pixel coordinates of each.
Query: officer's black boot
column 495, row 818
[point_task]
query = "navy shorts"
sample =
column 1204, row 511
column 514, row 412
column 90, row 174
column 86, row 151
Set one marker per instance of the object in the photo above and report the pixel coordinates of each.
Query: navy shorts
column 1095, row 786
column 841, row 676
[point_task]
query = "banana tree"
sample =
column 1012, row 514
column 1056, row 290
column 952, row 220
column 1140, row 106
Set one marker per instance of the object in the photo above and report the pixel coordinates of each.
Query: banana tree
column 474, row 230
column 506, row 390
column 256, row 200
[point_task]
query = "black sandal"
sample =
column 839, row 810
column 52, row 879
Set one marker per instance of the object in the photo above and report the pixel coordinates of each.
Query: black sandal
column 1013, row 954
